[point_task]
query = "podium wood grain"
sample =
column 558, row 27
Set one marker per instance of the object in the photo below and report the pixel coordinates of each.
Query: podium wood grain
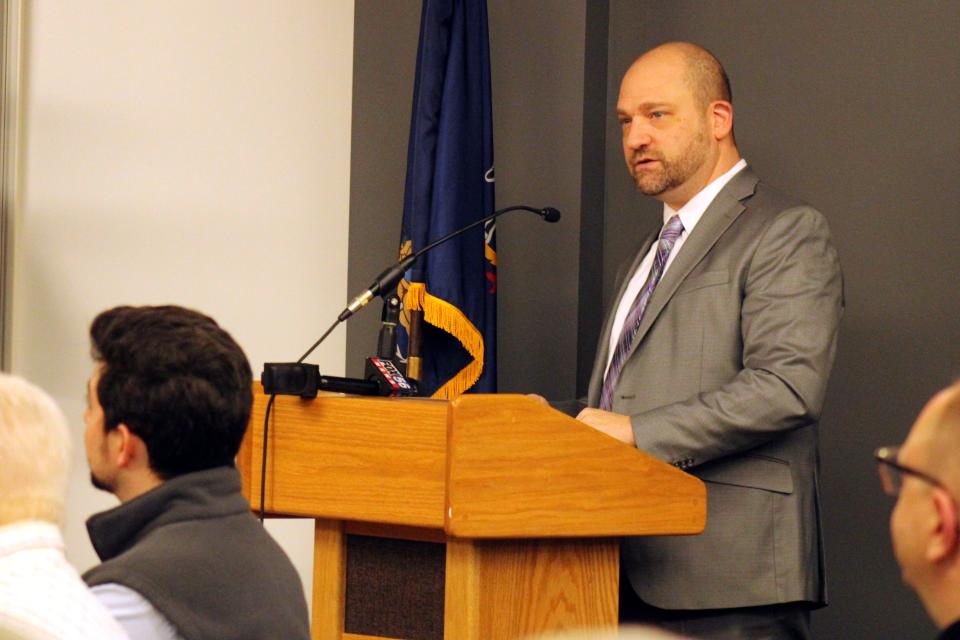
column 329, row 579
column 529, row 502
column 348, row 458
column 519, row 469
column 521, row 588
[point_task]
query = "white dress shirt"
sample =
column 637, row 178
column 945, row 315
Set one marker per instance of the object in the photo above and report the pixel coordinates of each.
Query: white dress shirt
column 135, row 614
column 690, row 215
column 41, row 594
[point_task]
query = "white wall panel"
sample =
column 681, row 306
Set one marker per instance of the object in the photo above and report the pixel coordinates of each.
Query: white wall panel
column 182, row 152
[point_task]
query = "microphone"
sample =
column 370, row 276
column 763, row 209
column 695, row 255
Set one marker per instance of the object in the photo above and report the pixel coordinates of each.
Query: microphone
column 389, row 319
column 549, row 214
column 383, row 378
column 389, row 277
column 305, row 380
column 301, row 380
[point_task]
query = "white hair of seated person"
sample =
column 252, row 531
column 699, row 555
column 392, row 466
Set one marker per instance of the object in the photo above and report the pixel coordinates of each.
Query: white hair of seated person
column 629, row 632
column 34, row 453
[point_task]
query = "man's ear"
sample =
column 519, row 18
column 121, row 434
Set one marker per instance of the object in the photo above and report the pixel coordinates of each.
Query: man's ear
column 721, row 117
column 124, row 445
column 945, row 539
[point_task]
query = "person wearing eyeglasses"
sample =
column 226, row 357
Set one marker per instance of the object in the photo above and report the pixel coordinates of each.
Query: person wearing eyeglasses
column 924, row 476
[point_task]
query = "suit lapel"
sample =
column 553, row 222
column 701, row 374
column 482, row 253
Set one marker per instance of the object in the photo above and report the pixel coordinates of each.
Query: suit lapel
column 716, row 219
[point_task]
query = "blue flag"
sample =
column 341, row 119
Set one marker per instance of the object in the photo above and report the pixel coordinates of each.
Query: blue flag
column 450, row 184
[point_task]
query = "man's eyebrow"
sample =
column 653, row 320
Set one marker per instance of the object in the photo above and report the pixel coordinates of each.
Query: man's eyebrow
column 650, row 106
column 646, row 106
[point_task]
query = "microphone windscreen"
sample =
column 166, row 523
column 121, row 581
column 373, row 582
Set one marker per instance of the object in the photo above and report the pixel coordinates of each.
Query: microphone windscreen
column 550, row 214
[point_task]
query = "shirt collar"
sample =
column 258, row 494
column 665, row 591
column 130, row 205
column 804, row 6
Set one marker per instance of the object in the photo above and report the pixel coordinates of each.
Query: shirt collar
column 691, row 212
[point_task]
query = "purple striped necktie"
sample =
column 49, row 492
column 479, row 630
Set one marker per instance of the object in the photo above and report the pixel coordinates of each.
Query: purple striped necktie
column 668, row 237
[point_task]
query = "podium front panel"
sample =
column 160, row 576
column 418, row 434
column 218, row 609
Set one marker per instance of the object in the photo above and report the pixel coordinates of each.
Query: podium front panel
column 348, row 458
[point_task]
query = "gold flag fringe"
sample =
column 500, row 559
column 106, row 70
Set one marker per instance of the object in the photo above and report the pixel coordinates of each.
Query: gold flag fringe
column 444, row 315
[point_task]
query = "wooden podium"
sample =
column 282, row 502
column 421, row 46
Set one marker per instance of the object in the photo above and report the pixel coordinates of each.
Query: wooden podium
column 520, row 505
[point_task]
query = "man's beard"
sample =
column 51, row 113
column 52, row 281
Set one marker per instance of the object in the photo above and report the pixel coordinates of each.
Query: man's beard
column 673, row 172
column 103, row 485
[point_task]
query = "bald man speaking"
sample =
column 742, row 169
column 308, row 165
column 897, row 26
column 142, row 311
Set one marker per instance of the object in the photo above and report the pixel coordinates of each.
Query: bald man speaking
column 715, row 357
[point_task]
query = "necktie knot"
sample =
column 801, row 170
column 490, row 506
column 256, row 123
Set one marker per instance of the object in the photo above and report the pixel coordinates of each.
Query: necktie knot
column 672, row 230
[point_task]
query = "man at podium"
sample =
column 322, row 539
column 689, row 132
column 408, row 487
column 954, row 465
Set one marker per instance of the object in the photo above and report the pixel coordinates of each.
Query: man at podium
column 715, row 357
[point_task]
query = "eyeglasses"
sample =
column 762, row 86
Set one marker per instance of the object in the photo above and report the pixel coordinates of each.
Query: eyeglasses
column 892, row 472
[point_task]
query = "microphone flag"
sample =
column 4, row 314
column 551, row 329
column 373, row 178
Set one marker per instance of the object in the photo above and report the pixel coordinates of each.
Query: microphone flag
column 449, row 184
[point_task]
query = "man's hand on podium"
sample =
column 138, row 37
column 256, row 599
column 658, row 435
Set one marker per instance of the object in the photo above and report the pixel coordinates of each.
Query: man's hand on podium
column 539, row 398
column 612, row 424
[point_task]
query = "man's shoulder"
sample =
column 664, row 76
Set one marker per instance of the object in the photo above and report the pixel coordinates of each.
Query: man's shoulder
column 769, row 212
column 769, row 201
column 189, row 536
column 234, row 538
column 178, row 567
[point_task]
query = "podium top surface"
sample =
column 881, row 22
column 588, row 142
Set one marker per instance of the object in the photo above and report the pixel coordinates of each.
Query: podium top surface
column 481, row 466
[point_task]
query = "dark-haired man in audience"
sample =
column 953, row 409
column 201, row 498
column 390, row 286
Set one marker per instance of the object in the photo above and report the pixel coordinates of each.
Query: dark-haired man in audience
column 924, row 475
column 183, row 557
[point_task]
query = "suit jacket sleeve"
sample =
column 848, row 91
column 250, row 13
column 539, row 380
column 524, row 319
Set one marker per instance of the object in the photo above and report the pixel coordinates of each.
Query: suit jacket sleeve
column 792, row 299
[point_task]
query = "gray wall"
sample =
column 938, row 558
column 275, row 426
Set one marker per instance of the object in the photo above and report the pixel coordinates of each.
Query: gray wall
column 385, row 51
column 538, row 137
column 849, row 105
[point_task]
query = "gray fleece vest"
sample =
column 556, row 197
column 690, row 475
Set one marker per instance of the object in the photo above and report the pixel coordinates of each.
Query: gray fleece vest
column 193, row 549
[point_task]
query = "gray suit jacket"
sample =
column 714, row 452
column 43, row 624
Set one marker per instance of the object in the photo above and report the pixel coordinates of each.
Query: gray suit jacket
column 726, row 380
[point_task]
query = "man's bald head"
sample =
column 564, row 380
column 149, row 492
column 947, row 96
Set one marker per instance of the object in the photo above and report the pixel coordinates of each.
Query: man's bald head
column 925, row 522
column 936, row 437
column 703, row 73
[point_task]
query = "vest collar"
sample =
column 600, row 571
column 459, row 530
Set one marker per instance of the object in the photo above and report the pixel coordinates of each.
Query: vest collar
column 192, row 496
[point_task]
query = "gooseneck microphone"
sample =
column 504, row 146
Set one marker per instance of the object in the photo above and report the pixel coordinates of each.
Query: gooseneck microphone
column 300, row 382
column 389, row 277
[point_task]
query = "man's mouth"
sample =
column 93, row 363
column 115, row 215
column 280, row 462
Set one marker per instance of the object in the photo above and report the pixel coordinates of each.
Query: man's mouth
column 645, row 162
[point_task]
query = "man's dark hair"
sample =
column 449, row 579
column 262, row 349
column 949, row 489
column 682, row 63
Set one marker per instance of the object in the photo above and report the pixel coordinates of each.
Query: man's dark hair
column 177, row 380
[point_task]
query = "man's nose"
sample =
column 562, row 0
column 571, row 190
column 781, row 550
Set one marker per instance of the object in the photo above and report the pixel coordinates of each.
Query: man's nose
column 637, row 134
